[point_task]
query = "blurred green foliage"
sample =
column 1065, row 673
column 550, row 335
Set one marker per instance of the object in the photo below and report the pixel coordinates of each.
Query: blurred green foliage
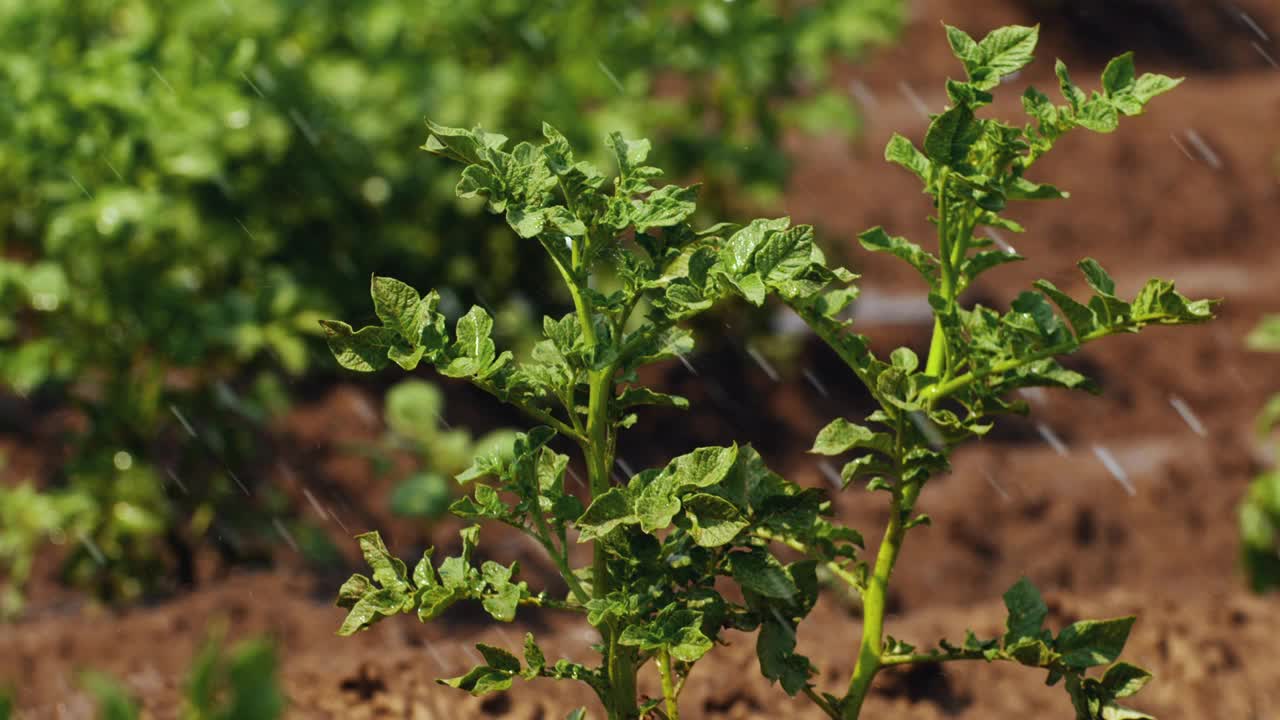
column 240, row 685
column 1260, row 509
column 186, row 187
column 415, row 423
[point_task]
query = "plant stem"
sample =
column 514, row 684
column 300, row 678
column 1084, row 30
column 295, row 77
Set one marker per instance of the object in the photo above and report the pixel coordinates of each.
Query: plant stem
column 669, row 692
column 941, row 390
column 873, row 603
column 836, row 568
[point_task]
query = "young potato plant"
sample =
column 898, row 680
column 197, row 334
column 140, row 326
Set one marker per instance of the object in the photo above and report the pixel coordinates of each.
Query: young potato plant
column 415, row 421
column 972, row 167
column 239, row 685
column 1260, row 509
column 659, row 540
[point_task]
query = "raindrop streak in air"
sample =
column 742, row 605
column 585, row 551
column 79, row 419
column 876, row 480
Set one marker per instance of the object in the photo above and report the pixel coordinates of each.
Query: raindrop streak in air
column 1113, row 466
column 1254, row 26
column 991, row 480
column 609, row 74
column 236, row 478
column 255, row 87
column 174, row 477
column 92, row 547
column 161, row 79
column 863, row 95
column 685, row 361
column 1206, row 153
column 832, row 475
column 182, row 419
column 284, row 533
column 1265, row 55
column 1188, row 416
column 763, row 363
column 998, row 239
column 113, row 169
column 910, row 94
column 576, row 479
column 83, row 189
column 815, row 382
column 315, row 504
column 625, row 467
column 1052, row 438
column 928, row 429
column 246, row 230
column 303, row 125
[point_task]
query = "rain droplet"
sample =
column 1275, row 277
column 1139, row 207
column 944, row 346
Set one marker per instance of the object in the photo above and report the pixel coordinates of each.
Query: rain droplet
column 1052, row 438
column 1113, row 466
column 122, row 460
column 1188, row 416
column 763, row 363
column 284, row 533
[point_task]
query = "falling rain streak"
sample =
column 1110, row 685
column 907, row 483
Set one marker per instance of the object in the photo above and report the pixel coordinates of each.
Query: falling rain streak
column 1188, row 416
column 1052, row 438
column 1113, row 466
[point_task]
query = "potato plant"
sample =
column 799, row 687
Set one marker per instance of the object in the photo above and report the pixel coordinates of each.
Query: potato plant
column 415, row 422
column 661, row 538
column 971, row 167
column 184, row 187
column 237, row 685
column 1260, row 509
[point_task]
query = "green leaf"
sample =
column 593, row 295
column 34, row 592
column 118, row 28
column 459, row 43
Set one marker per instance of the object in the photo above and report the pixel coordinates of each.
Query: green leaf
column 1093, row 642
column 1083, row 320
column 606, row 512
column 904, row 359
column 715, row 521
column 1099, row 115
column 498, row 658
column 1097, row 278
column 473, row 351
column 481, row 680
column 1027, row 611
column 1123, row 679
column 1119, row 75
column 761, row 573
column 775, row 649
column 1151, row 85
column 900, row 150
column 665, row 207
column 951, row 135
column 466, row 146
column 702, row 468
column 962, row 45
column 1001, row 53
column 925, row 263
column 1075, row 96
column 364, row 350
column 841, row 436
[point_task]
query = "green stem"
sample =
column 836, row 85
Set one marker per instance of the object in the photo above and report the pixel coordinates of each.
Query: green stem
column 943, row 389
column 873, row 603
column 822, row 703
column 669, row 692
column 534, row 412
column 836, row 568
column 930, row 657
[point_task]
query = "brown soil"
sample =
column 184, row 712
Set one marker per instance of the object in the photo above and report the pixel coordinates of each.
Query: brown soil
column 1190, row 192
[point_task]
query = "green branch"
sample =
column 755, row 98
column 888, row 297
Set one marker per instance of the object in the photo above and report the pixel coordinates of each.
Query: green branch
column 836, row 568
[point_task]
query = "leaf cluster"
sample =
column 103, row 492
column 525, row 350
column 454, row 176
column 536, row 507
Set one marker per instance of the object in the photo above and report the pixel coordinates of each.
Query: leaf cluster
column 1259, row 513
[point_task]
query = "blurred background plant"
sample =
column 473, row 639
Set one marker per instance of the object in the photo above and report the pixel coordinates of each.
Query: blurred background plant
column 414, row 415
column 186, row 187
column 1260, row 510
column 236, row 685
